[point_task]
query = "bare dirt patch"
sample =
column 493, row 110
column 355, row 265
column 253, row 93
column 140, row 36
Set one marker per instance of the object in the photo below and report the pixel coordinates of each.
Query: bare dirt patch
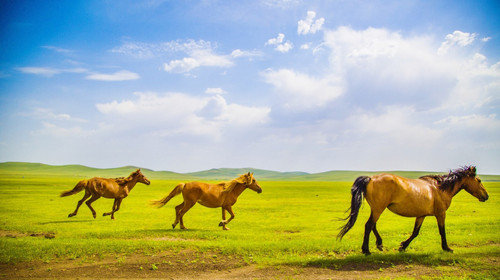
column 187, row 264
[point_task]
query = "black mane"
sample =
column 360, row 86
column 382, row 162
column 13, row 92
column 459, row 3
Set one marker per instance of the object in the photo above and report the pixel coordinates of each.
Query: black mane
column 448, row 181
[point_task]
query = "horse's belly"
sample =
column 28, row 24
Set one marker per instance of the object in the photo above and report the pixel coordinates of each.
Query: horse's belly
column 209, row 203
column 409, row 210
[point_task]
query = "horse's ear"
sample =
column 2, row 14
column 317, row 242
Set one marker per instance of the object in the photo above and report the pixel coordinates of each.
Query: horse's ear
column 473, row 170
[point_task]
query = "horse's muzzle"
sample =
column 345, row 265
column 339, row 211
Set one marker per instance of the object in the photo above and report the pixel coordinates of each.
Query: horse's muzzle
column 484, row 198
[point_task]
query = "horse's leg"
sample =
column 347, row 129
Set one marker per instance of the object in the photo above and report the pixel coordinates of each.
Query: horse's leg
column 224, row 222
column 223, row 217
column 416, row 230
column 80, row 202
column 112, row 210
column 377, row 236
column 92, row 199
column 370, row 224
column 185, row 208
column 116, row 207
column 444, row 243
column 177, row 212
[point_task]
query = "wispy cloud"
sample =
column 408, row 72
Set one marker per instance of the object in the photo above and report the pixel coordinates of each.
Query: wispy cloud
column 199, row 53
column 48, row 114
column 57, row 49
column 215, row 91
column 123, row 75
column 457, row 38
column 49, row 71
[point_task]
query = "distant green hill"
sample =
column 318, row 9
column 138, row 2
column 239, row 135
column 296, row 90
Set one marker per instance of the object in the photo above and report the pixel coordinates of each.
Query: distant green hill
column 38, row 169
column 229, row 173
column 24, row 169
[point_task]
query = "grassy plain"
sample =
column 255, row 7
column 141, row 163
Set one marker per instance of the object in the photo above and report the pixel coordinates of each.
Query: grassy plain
column 290, row 223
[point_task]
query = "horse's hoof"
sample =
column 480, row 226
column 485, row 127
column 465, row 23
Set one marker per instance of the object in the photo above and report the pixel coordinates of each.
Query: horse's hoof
column 173, row 226
column 448, row 250
column 380, row 247
column 71, row 215
column 402, row 249
column 367, row 253
column 221, row 224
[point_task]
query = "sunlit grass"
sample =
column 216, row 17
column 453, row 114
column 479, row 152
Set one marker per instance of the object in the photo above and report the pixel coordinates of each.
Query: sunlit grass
column 289, row 223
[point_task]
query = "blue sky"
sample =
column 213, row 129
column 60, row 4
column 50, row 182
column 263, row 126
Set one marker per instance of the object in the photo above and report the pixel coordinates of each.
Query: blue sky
column 275, row 84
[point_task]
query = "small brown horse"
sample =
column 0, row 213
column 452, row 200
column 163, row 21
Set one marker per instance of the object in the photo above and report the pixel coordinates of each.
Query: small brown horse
column 427, row 196
column 210, row 195
column 117, row 188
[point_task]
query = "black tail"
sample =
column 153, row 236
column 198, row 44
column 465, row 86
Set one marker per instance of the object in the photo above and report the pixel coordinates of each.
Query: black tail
column 358, row 192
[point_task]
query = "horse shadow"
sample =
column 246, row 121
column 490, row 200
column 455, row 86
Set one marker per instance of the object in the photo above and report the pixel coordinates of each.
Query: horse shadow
column 370, row 263
column 65, row 222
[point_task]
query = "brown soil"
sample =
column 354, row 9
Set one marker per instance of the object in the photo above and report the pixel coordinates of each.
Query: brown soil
column 188, row 264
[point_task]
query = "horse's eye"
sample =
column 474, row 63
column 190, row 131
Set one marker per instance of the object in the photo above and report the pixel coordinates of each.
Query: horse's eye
column 479, row 180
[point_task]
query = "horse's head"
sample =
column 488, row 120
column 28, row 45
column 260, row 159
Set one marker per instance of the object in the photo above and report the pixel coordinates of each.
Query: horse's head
column 252, row 183
column 472, row 184
column 141, row 178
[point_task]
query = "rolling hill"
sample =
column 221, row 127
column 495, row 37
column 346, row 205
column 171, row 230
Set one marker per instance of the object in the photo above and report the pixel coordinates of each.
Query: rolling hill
column 24, row 169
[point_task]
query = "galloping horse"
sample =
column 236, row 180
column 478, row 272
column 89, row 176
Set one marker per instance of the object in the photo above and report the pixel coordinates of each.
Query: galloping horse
column 210, row 195
column 117, row 188
column 427, row 196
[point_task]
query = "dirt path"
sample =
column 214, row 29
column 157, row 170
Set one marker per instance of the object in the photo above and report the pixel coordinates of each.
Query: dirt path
column 197, row 265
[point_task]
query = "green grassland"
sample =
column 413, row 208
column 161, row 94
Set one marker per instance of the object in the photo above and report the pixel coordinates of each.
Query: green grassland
column 293, row 222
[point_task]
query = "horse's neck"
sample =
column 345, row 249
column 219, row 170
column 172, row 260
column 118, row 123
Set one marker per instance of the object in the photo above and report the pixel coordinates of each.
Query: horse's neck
column 130, row 184
column 238, row 189
column 451, row 192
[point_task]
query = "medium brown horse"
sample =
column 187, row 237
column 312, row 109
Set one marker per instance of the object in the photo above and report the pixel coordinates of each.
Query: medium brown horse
column 117, row 188
column 210, row 195
column 427, row 196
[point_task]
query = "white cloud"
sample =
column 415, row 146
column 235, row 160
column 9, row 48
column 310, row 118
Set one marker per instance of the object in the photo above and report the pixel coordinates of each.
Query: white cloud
column 277, row 40
column 280, row 46
column 123, row 75
column 479, row 122
column 178, row 113
column 215, row 91
column 300, row 91
column 309, row 25
column 239, row 53
column 457, row 38
column 199, row 54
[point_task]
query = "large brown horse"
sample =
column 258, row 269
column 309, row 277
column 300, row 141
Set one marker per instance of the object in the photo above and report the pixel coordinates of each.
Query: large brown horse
column 210, row 195
column 427, row 196
column 117, row 188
